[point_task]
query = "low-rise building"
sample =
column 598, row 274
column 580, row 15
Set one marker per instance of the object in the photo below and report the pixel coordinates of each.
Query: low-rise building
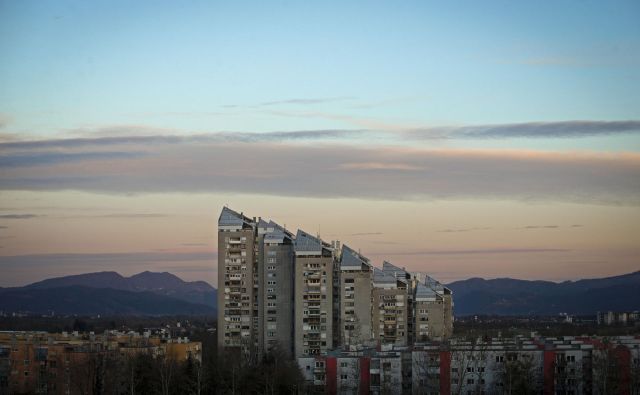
column 40, row 362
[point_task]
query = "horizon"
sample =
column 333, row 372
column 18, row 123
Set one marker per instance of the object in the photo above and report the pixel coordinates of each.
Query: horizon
column 461, row 140
column 215, row 285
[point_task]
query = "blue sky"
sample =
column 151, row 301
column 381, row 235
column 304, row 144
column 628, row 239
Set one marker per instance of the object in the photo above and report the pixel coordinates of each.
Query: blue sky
column 468, row 138
column 69, row 65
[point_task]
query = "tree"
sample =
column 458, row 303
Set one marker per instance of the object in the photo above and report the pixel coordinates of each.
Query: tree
column 518, row 375
column 606, row 372
column 426, row 371
column 468, row 361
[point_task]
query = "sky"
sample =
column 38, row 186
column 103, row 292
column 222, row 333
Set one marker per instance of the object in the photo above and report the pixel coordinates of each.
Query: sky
column 474, row 139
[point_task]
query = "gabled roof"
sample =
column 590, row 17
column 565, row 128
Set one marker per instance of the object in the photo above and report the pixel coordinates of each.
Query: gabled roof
column 351, row 260
column 232, row 218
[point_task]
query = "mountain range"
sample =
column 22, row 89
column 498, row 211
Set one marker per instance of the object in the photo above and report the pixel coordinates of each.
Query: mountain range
column 506, row 296
column 149, row 293
column 109, row 293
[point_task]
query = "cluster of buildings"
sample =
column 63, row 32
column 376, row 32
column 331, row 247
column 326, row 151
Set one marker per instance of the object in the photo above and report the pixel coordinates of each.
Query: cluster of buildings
column 41, row 362
column 618, row 318
column 520, row 365
column 307, row 297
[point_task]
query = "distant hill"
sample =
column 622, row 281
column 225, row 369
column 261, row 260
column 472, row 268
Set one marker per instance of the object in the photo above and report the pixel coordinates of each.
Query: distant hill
column 74, row 299
column 151, row 293
column 166, row 284
column 506, row 296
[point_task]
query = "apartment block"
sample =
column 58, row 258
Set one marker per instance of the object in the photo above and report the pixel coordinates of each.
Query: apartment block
column 276, row 266
column 356, row 279
column 313, row 326
column 390, row 310
column 306, row 297
column 238, row 283
column 71, row 363
column 519, row 365
column 433, row 310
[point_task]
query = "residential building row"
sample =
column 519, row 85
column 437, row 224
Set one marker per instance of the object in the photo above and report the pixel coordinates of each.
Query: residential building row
column 305, row 296
column 618, row 318
column 521, row 365
column 66, row 363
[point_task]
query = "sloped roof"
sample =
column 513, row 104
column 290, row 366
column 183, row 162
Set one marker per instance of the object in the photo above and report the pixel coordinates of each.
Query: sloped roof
column 390, row 268
column 306, row 243
column 436, row 285
column 277, row 236
column 229, row 217
column 352, row 259
column 424, row 292
column 382, row 278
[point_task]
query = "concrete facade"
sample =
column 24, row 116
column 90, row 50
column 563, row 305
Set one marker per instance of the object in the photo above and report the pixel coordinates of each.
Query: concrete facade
column 520, row 365
column 313, row 295
column 237, row 283
column 390, row 310
column 307, row 297
column 356, row 278
column 276, row 288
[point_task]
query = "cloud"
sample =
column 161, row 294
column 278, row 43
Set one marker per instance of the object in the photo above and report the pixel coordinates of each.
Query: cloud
column 19, row 216
column 566, row 129
column 294, row 101
column 326, row 170
column 50, row 158
column 194, row 244
column 308, row 101
column 23, row 269
column 91, row 258
column 475, row 251
column 548, row 226
column 366, row 234
column 142, row 141
column 133, row 215
column 461, row 230
column 4, row 227
column 378, row 166
column 369, row 130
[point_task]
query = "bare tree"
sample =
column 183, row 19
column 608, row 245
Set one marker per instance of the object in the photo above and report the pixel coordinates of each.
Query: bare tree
column 606, row 372
column 468, row 361
column 518, row 375
column 426, row 370
column 166, row 368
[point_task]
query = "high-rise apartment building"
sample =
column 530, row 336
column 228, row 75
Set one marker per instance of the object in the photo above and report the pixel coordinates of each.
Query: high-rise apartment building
column 276, row 285
column 390, row 310
column 433, row 306
column 237, row 283
column 356, row 278
column 306, row 297
column 313, row 295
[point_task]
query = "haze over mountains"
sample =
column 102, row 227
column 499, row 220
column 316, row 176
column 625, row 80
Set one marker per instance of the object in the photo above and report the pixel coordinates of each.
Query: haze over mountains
column 505, row 296
column 149, row 293
column 109, row 293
